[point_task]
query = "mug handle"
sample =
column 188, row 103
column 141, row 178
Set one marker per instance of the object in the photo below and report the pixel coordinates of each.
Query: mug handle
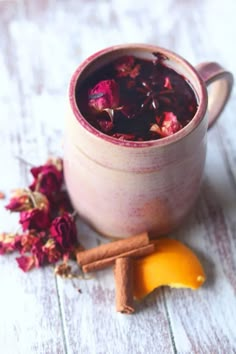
column 219, row 83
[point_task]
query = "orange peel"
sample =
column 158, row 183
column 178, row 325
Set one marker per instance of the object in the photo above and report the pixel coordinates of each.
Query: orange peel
column 172, row 264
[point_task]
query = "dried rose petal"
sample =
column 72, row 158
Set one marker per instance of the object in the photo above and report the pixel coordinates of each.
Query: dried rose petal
column 63, row 270
column 38, row 253
column 28, row 241
column 51, row 251
column 35, row 219
column 63, row 230
column 125, row 66
column 26, row 263
column 104, row 96
column 8, row 242
column 148, row 88
column 47, row 179
column 2, row 195
column 170, row 125
column 155, row 128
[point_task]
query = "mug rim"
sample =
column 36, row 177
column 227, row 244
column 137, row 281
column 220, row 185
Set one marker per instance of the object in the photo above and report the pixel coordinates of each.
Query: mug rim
column 190, row 127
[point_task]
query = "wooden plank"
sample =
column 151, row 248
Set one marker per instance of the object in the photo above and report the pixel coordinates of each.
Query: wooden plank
column 30, row 314
column 93, row 326
column 30, row 318
column 203, row 321
column 41, row 44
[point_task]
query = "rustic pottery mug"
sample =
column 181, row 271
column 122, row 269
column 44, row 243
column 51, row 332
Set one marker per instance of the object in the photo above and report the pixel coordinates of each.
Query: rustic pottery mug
column 122, row 188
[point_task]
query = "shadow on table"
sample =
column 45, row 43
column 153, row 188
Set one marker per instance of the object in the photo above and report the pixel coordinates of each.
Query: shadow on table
column 150, row 301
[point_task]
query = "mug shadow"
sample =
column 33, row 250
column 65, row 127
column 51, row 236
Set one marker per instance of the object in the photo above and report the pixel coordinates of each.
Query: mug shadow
column 150, row 302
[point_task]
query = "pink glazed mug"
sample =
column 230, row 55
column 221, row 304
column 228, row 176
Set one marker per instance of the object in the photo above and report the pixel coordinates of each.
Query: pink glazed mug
column 122, row 188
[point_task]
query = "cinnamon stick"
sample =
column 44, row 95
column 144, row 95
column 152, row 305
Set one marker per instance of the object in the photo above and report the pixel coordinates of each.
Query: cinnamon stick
column 106, row 262
column 123, row 272
column 112, row 249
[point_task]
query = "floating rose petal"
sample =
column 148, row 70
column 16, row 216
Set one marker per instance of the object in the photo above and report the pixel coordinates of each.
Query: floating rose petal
column 155, row 129
column 105, row 125
column 2, row 195
column 167, row 83
column 104, row 96
column 125, row 66
column 170, row 124
column 124, row 136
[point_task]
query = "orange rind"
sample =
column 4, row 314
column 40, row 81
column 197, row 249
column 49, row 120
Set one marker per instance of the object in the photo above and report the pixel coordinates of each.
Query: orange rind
column 172, row 264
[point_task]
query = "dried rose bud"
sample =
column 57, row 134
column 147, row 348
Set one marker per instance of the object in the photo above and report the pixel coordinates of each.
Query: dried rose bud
column 23, row 200
column 104, row 96
column 36, row 219
column 51, row 251
column 2, row 195
column 125, row 66
column 26, row 263
column 47, row 179
column 55, row 161
column 63, row 230
column 20, row 201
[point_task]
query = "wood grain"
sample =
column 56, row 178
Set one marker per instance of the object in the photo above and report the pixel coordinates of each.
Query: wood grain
column 41, row 43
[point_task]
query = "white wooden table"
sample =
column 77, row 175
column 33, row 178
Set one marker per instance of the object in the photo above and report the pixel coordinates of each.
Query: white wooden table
column 41, row 43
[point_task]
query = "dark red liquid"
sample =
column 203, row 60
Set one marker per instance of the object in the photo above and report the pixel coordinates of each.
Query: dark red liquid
column 150, row 101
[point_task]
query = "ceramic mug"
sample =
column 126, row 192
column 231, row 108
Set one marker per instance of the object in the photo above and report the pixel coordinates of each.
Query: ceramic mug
column 123, row 188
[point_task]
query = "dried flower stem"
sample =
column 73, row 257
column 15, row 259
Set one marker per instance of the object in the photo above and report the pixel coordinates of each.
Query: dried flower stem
column 31, row 195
